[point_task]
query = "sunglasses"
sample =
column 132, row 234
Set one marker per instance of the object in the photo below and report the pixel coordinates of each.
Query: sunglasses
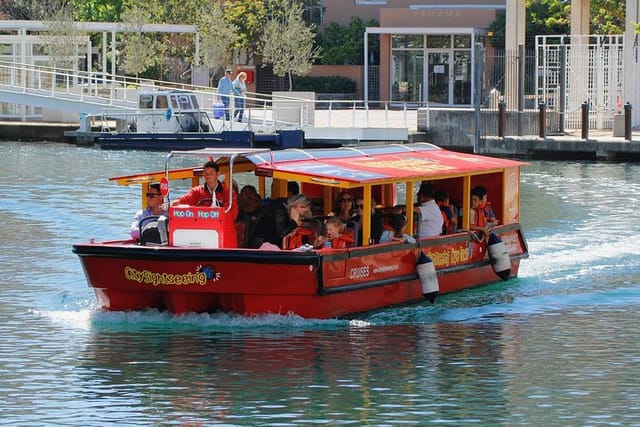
column 152, row 194
column 346, row 200
column 360, row 206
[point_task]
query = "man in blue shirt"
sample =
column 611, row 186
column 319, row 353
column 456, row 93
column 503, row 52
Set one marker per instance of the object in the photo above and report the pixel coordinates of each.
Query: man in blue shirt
column 225, row 89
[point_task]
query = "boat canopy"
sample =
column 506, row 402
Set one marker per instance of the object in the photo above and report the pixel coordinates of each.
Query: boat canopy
column 346, row 167
column 382, row 167
column 351, row 167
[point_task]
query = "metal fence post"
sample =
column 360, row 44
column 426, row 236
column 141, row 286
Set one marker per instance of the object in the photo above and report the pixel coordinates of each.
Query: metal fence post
column 627, row 121
column 542, row 120
column 563, row 87
column 521, row 101
column 585, row 120
column 501, row 118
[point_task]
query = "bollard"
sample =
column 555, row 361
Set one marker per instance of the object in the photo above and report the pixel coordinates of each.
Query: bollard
column 501, row 118
column 542, row 120
column 627, row 121
column 585, row 120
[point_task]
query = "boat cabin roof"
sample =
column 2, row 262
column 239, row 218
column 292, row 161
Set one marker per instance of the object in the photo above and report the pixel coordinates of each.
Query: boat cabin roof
column 349, row 167
column 345, row 167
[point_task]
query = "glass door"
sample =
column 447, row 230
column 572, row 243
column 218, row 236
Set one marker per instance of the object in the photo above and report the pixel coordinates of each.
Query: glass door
column 406, row 77
column 438, row 87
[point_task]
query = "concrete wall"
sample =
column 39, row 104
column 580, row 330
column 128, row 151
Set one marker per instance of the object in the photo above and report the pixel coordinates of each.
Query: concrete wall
column 456, row 126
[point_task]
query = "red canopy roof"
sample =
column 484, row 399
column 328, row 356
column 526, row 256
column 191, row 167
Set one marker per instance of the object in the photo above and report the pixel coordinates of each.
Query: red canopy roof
column 406, row 162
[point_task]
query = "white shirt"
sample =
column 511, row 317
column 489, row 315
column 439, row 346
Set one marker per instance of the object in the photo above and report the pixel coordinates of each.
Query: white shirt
column 431, row 221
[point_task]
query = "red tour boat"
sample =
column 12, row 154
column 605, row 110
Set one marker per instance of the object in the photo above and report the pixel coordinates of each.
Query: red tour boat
column 193, row 268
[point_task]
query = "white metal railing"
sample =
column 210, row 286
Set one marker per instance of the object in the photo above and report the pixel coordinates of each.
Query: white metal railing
column 269, row 112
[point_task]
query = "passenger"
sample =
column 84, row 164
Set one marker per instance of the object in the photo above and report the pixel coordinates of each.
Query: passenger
column 274, row 217
column 295, row 234
column 154, row 208
column 431, row 218
column 212, row 192
column 449, row 216
column 481, row 215
column 336, row 237
column 376, row 221
column 343, row 208
column 398, row 223
column 250, row 212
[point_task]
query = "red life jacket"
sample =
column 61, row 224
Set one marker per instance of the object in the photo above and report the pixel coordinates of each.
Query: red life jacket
column 298, row 237
column 345, row 240
column 480, row 218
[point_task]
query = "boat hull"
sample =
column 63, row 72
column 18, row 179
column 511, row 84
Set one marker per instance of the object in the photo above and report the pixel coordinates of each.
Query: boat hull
column 314, row 284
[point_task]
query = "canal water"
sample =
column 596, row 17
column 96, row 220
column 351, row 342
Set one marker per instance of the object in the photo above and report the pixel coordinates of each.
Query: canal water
column 559, row 345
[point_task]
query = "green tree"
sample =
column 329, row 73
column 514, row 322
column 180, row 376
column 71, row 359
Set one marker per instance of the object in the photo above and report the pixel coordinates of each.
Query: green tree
column 63, row 38
column 287, row 41
column 97, row 10
column 553, row 17
column 174, row 52
column 140, row 50
column 217, row 38
column 249, row 18
column 344, row 45
column 28, row 9
column 607, row 16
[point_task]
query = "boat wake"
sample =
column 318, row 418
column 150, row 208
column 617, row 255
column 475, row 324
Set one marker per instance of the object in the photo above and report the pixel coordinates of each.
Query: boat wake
column 154, row 319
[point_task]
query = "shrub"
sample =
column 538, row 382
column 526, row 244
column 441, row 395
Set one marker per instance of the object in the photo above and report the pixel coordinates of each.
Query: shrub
column 324, row 84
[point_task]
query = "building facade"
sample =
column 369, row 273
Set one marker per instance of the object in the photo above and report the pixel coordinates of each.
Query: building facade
column 426, row 47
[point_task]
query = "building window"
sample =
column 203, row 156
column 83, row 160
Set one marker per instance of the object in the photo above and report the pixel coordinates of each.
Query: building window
column 461, row 41
column 313, row 14
column 439, row 41
column 407, row 41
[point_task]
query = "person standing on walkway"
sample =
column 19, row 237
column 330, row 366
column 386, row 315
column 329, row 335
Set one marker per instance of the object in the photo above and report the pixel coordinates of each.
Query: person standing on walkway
column 225, row 89
column 240, row 92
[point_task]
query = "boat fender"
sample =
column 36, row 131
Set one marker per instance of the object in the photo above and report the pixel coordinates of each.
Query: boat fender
column 428, row 278
column 168, row 114
column 499, row 256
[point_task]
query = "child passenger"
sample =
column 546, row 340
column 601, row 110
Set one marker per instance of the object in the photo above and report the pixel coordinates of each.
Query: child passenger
column 449, row 216
column 336, row 237
column 398, row 223
column 481, row 216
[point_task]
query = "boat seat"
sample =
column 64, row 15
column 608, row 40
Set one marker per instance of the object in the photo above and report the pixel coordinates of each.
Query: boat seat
column 153, row 231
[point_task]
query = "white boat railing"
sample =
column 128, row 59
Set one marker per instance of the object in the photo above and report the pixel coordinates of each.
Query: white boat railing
column 99, row 92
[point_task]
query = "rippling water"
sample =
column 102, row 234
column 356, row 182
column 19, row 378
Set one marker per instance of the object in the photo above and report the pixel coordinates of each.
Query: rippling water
column 557, row 346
